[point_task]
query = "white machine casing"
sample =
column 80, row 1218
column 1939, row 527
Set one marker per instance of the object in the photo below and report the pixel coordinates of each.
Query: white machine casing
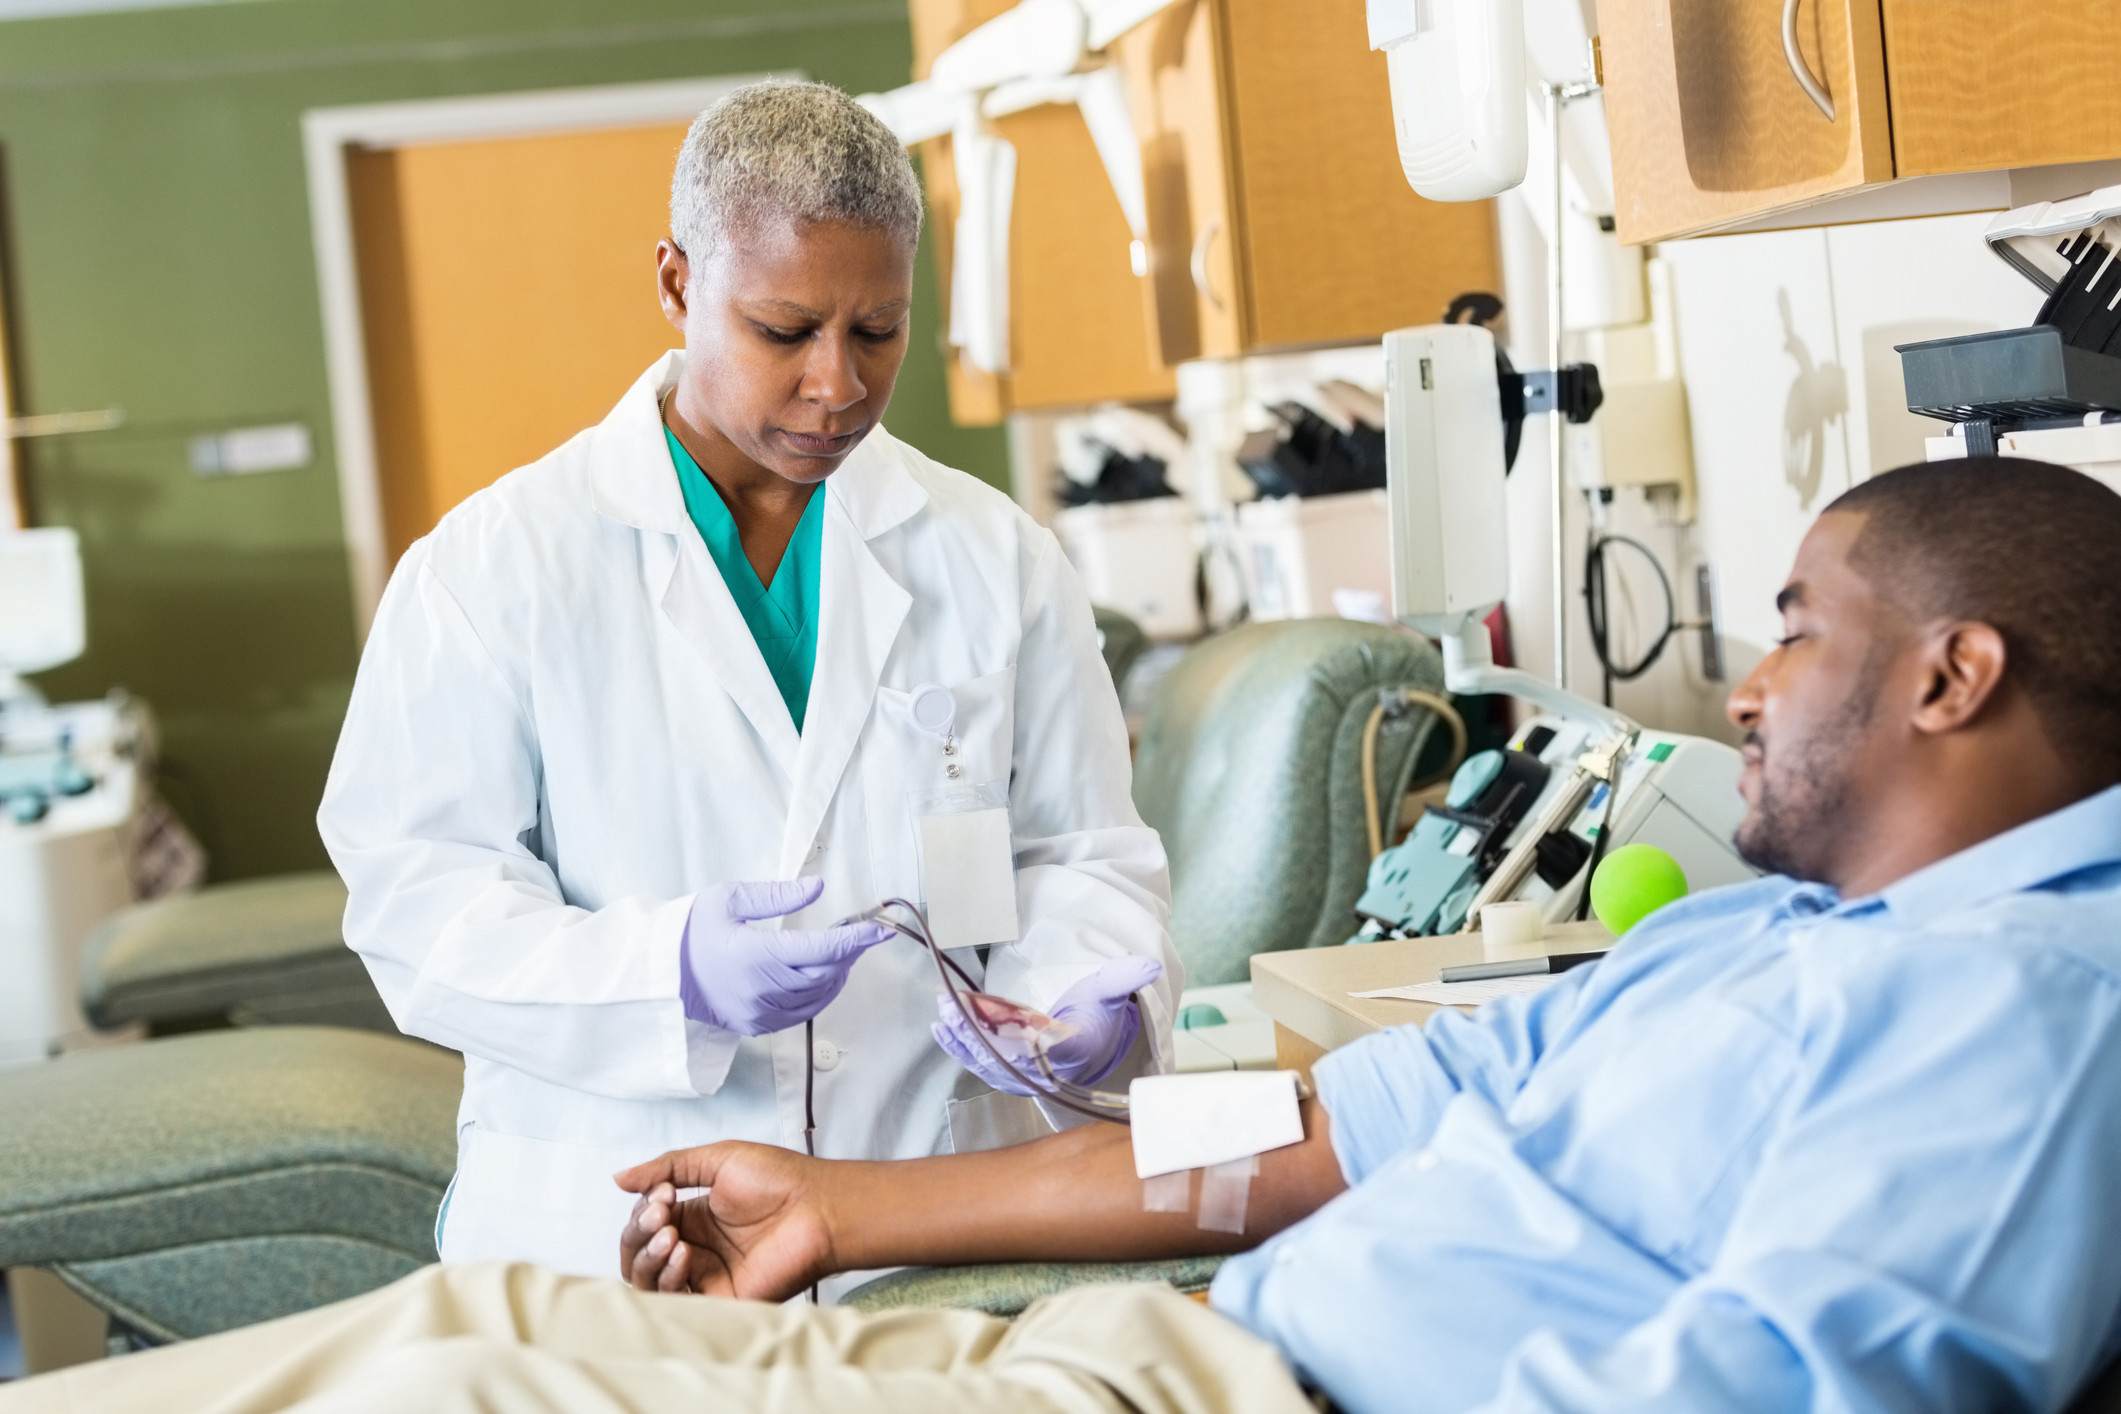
column 1679, row 793
column 1443, row 435
column 42, row 619
column 1457, row 69
column 62, row 874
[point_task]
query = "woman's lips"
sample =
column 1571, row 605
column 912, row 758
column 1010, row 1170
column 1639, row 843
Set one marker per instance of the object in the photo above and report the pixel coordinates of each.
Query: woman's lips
column 812, row 445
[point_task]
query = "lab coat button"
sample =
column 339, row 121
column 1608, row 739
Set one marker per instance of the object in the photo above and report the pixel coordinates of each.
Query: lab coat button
column 824, row 1055
column 1426, row 1160
column 1285, row 1255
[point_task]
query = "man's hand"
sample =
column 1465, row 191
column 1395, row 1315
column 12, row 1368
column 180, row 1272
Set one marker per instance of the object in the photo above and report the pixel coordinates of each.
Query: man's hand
column 758, row 1233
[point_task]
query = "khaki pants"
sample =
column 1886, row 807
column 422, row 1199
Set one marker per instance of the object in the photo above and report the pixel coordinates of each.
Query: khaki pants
column 512, row 1337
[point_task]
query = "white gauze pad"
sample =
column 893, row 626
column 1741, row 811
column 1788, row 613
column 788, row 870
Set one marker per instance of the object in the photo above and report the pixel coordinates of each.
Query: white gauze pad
column 1197, row 1121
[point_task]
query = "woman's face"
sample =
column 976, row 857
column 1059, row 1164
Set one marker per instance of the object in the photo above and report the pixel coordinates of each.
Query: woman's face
column 794, row 334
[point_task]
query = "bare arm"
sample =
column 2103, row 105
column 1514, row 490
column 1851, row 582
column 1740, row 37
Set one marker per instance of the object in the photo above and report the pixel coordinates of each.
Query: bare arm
column 773, row 1221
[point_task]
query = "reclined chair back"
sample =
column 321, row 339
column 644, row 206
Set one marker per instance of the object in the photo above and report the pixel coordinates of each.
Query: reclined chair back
column 1250, row 767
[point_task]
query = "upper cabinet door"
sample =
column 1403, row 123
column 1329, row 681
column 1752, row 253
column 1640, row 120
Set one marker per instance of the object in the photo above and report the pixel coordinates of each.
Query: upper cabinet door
column 1981, row 84
column 1278, row 215
column 1710, row 115
column 1174, row 70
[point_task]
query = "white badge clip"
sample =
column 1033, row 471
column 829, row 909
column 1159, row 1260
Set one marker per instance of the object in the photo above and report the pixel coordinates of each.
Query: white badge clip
column 935, row 710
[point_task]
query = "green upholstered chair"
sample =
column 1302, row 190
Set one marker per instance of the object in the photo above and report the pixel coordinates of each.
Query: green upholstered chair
column 1250, row 767
column 265, row 951
column 1120, row 639
column 199, row 1183
column 1006, row 1288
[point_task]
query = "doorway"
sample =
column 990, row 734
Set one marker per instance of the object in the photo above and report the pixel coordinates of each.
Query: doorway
column 488, row 278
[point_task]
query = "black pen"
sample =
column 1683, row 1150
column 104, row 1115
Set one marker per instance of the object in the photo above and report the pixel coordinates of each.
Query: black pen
column 1516, row 967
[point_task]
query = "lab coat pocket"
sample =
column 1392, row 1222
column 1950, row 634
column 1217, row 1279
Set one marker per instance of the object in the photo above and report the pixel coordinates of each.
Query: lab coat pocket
column 905, row 762
column 537, row 1200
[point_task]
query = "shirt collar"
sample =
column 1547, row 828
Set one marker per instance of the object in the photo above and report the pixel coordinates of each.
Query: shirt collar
column 631, row 480
column 2040, row 851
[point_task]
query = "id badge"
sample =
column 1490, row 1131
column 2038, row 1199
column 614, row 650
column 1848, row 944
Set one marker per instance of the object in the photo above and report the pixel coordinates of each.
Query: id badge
column 968, row 865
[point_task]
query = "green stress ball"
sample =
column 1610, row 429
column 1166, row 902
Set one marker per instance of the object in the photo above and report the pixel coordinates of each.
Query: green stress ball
column 1633, row 882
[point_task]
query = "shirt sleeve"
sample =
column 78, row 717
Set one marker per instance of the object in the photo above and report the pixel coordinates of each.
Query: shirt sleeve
column 1387, row 1091
column 430, row 814
column 1916, row 1233
column 1091, row 879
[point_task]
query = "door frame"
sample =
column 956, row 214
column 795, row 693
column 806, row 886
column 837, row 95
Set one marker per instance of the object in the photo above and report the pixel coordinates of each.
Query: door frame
column 328, row 135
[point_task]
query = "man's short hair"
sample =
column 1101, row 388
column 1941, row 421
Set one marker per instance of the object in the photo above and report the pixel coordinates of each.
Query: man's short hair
column 788, row 150
column 2029, row 548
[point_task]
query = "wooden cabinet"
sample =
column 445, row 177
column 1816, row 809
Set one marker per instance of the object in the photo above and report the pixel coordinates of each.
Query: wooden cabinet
column 1078, row 333
column 1712, row 128
column 1278, row 216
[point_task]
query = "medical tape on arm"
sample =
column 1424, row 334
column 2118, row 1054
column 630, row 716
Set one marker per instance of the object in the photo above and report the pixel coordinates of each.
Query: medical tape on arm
column 1217, row 1121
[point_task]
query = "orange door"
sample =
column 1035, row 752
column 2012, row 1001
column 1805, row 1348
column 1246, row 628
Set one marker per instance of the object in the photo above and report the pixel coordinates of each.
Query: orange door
column 507, row 300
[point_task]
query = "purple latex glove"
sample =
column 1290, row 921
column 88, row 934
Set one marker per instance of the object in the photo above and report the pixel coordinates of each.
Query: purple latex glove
column 755, row 980
column 1102, row 1010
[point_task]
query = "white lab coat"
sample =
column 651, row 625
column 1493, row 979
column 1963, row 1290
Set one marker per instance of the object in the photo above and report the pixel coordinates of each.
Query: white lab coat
column 562, row 730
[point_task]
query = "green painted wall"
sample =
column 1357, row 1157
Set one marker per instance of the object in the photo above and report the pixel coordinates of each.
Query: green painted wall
column 162, row 263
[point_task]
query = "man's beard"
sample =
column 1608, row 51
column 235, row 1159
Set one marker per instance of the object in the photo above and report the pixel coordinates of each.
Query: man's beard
column 1802, row 817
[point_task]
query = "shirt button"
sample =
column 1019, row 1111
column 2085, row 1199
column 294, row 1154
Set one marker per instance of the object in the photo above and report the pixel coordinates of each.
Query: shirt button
column 1426, row 1160
column 1285, row 1255
column 824, row 1055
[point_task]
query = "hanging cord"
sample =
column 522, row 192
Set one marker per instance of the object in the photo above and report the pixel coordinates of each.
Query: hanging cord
column 810, row 1104
column 908, row 921
column 1596, row 610
column 1440, row 709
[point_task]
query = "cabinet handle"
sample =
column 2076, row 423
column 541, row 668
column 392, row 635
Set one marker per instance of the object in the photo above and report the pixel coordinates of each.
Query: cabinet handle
column 1798, row 68
column 1200, row 261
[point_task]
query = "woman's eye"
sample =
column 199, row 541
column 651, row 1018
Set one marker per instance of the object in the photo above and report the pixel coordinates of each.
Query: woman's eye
column 880, row 336
column 784, row 336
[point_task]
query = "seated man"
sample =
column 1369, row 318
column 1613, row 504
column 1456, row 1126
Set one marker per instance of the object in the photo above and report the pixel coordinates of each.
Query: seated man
column 1846, row 1137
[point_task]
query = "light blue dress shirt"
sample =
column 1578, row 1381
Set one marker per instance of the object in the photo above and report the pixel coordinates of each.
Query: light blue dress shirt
column 1777, row 1151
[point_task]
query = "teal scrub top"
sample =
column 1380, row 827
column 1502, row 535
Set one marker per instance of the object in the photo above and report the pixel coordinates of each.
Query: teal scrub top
column 782, row 616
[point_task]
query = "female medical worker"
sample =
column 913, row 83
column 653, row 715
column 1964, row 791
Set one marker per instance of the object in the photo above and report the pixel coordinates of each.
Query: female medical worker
column 737, row 633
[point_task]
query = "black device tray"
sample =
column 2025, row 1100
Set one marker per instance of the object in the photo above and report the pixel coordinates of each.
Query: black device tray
column 2011, row 376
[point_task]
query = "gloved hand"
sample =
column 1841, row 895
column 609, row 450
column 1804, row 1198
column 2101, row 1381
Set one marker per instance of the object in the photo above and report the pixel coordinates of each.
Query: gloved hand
column 1101, row 1008
column 755, row 980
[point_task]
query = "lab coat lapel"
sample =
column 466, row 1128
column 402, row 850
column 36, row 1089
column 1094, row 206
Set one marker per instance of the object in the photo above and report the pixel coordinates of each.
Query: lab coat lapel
column 860, row 611
column 632, row 481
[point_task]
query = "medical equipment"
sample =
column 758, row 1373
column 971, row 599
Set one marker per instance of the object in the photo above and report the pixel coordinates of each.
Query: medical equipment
column 42, row 621
column 1530, row 821
column 2051, row 390
column 1000, row 1025
column 1457, row 69
column 68, row 792
column 1676, row 792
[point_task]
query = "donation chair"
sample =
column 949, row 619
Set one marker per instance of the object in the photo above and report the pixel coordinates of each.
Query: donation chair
column 204, row 1182
column 209, row 1180
column 260, row 952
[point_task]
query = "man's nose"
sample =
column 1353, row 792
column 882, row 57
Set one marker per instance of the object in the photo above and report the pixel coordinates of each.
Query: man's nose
column 830, row 377
column 1743, row 706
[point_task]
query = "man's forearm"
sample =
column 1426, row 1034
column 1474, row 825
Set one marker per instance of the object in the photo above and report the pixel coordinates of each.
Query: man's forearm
column 1070, row 1197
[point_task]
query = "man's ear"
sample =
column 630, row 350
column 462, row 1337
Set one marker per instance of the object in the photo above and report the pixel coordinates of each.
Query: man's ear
column 673, row 279
column 1962, row 670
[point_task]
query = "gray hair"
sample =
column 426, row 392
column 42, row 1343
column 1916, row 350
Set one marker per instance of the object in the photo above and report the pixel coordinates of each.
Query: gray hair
column 785, row 149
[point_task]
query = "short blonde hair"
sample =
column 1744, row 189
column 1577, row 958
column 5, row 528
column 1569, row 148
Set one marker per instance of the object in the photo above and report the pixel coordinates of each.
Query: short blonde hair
column 785, row 149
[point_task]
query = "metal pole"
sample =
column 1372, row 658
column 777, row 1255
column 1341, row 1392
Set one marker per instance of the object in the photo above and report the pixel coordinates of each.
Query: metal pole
column 1559, row 566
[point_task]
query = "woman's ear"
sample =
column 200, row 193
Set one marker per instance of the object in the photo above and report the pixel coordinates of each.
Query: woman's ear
column 1962, row 668
column 673, row 279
